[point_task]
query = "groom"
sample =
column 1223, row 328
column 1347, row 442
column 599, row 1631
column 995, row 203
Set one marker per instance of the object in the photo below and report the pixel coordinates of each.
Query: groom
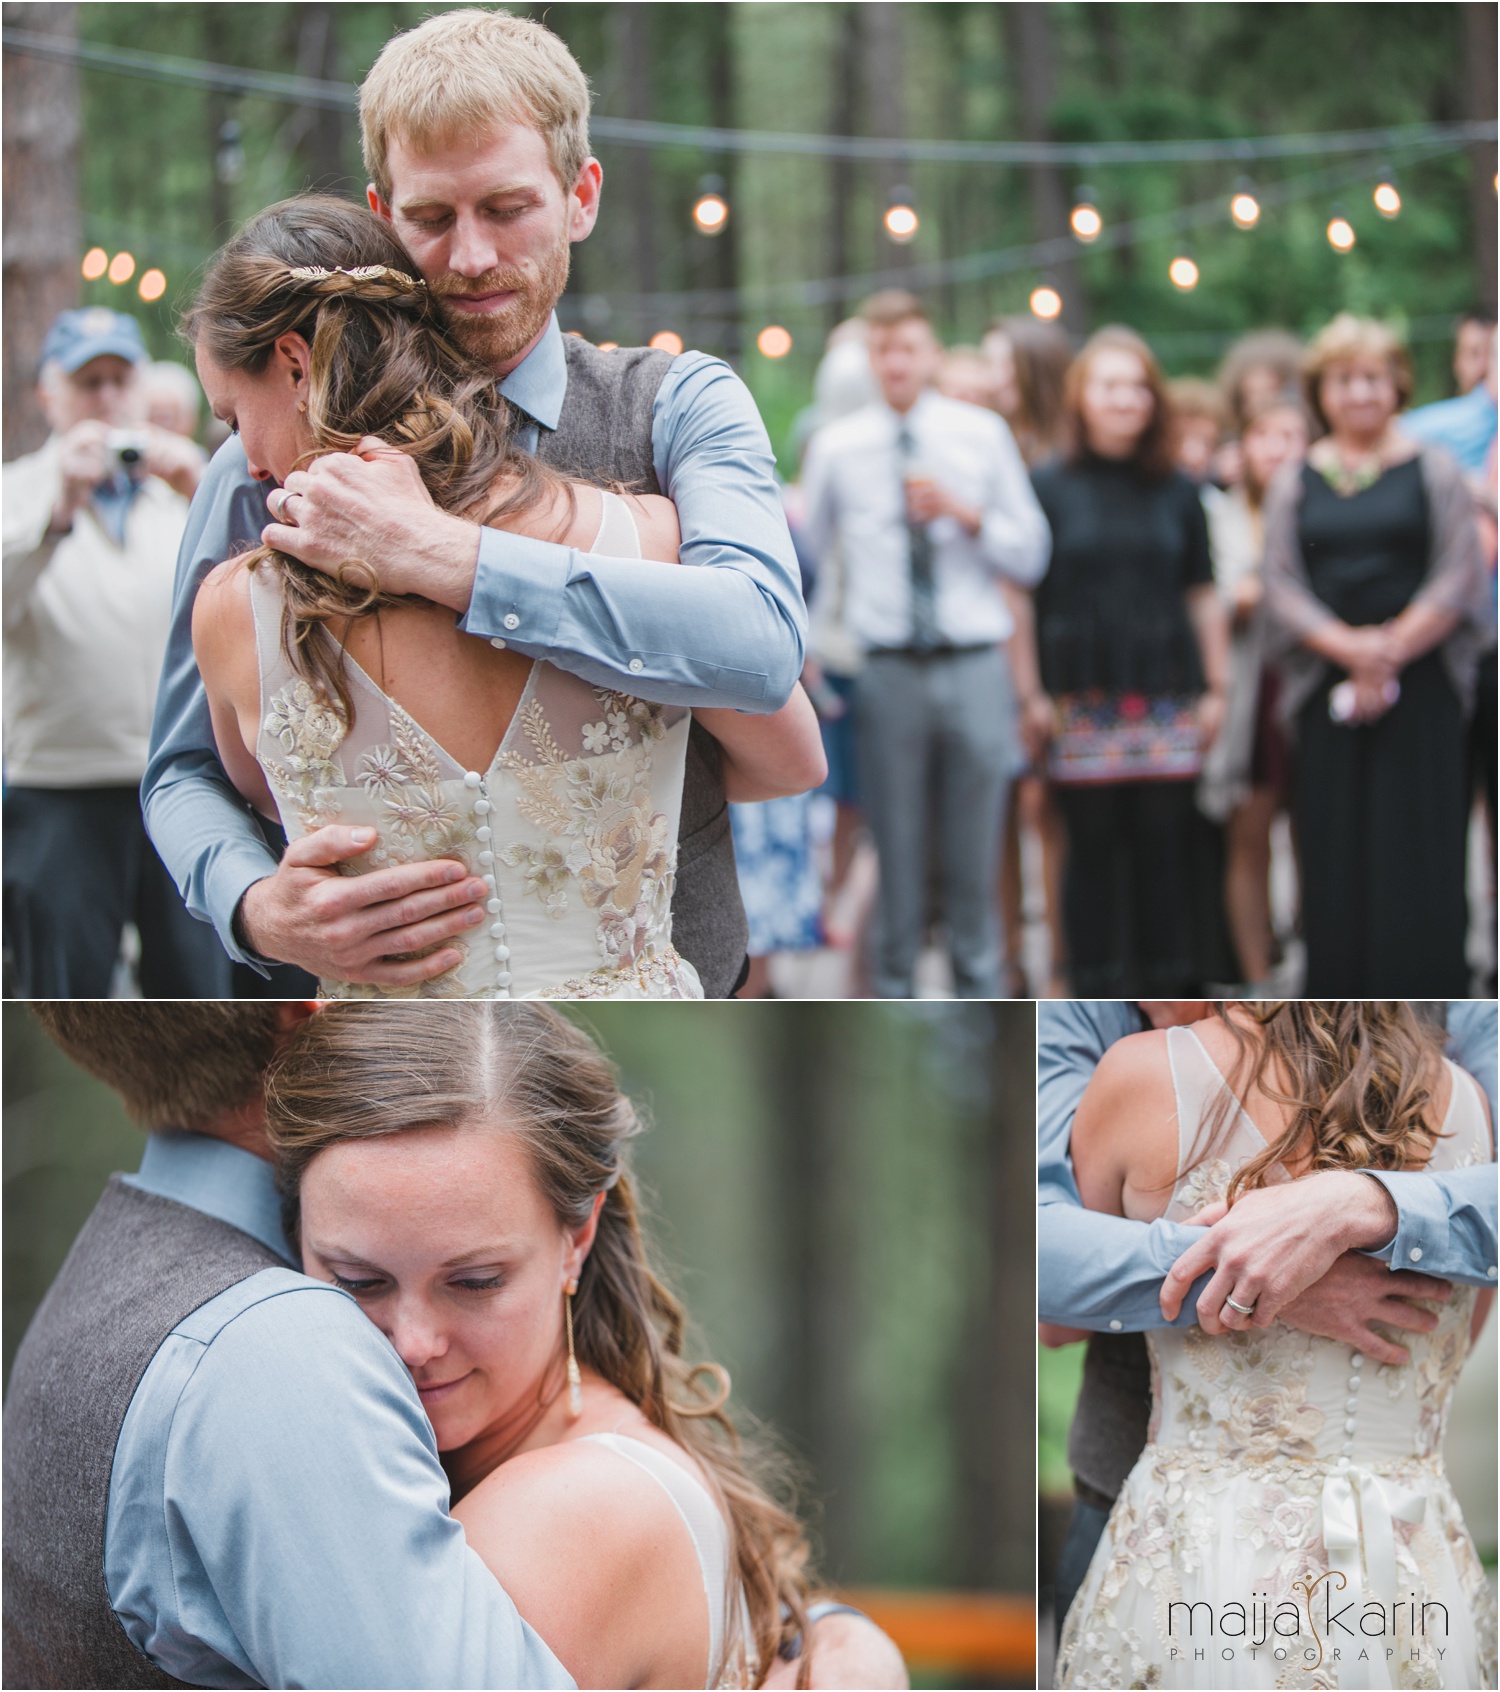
column 475, row 134
column 217, row 1471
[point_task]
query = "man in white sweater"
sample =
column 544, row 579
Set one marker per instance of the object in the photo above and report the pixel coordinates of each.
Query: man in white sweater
column 91, row 526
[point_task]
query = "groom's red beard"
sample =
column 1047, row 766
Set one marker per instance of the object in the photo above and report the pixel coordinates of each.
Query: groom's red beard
column 495, row 337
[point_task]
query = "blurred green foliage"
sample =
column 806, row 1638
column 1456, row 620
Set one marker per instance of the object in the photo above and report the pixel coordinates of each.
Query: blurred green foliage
column 823, row 1181
column 1059, row 1374
column 1138, row 71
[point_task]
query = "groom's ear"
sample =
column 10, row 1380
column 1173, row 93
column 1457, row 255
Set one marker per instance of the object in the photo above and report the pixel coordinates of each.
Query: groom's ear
column 376, row 204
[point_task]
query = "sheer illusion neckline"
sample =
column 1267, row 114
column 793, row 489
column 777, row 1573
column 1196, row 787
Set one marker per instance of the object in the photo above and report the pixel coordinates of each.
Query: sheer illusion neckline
column 361, row 674
column 1443, row 1128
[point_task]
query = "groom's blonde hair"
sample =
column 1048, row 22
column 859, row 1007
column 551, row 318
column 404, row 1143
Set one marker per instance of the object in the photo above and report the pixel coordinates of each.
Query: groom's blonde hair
column 461, row 73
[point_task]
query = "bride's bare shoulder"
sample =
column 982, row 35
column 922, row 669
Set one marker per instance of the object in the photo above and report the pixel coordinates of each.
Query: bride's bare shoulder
column 592, row 1551
column 1125, row 1131
column 223, row 620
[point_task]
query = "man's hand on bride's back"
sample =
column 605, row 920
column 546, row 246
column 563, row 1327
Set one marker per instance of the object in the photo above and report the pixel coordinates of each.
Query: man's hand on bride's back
column 372, row 505
column 1360, row 1290
column 352, row 927
column 1274, row 1243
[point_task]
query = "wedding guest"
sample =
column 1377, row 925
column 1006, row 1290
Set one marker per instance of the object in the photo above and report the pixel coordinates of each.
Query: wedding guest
column 1373, row 591
column 1245, row 771
column 1197, row 427
column 1132, row 649
column 1031, row 360
column 1257, row 367
column 92, row 522
column 966, row 374
column 927, row 502
column 171, row 398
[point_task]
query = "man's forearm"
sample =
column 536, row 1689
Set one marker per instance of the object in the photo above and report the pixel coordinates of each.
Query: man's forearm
column 695, row 635
column 1104, row 1272
column 1445, row 1223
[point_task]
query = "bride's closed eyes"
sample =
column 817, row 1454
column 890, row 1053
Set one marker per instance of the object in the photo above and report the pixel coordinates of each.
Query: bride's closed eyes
column 371, row 1286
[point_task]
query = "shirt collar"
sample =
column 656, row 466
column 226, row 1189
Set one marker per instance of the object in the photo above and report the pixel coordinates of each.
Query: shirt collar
column 538, row 383
column 906, row 419
column 221, row 1180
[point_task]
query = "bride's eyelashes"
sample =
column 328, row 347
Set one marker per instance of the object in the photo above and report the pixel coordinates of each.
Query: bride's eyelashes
column 469, row 1283
column 351, row 1286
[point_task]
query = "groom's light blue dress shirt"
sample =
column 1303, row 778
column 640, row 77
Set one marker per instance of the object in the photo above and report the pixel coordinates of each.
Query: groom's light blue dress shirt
column 726, row 630
column 1105, row 1272
column 278, row 1515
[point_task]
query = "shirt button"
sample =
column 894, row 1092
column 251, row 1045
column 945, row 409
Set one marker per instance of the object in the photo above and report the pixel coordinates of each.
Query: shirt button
column 497, row 930
column 492, row 906
column 512, row 621
column 1415, row 1254
column 1491, row 1271
column 481, row 807
column 486, row 858
column 1115, row 1326
column 503, row 979
column 472, row 778
column 636, row 666
column 496, row 642
column 482, row 833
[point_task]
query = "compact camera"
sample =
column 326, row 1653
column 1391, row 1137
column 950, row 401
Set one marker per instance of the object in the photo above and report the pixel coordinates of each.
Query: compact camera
column 126, row 448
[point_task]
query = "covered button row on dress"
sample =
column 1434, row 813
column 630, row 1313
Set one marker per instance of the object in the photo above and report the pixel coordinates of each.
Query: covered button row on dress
column 1351, row 1404
column 485, row 836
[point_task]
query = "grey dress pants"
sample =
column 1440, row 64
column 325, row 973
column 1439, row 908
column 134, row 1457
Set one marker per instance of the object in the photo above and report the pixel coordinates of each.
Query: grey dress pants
column 937, row 747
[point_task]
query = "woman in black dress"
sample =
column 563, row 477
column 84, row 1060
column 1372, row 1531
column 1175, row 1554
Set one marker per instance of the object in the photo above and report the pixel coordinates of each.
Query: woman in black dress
column 1372, row 585
column 1132, row 651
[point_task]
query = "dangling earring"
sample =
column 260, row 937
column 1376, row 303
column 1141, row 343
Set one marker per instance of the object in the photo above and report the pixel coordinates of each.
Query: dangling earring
column 575, row 1380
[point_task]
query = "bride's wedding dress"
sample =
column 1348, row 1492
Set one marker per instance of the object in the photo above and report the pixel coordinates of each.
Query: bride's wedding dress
column 573, row 825
column 1290, row 1522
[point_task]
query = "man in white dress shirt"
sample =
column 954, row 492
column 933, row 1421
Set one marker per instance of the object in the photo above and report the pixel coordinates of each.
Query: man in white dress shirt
column 929, row 506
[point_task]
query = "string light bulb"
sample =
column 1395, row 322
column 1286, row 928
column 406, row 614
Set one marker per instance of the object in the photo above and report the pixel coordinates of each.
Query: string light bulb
column 1184, row 272
column 1046, row 303
column 152, row 285
column 901, row 220
column 1340, row 231
column 121, row 268
column 1387, row 199
column 1244, row 207
column 95, row 263
column 711, row 210
column 1085, row 221
column 773, row 341
column 667, row 340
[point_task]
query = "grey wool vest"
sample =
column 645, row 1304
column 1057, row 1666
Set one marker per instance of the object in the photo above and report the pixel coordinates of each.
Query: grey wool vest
column 140, row 1265
column 1112, row 1415
column 604, row 436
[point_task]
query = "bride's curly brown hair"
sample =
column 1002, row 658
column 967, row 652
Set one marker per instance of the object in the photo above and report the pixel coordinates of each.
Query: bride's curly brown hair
column 1356, row 1074
column 382, row 363
column 361, row 1071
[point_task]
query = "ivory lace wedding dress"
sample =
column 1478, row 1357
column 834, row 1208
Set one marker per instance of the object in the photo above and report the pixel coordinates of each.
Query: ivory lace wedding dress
column 1290, row 1488
column 573, row 825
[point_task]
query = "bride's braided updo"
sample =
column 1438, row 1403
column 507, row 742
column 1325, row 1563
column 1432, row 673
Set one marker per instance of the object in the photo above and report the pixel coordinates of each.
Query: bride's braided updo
column 382, row 364
column 360, row 1071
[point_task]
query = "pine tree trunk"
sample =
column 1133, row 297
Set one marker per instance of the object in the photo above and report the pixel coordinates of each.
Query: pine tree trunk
column 43, row 232
column 632, row 32
column 843, row 119
column 1480, row 102
column 718, row 21
column 885, row 104
column 320, row 144
column 1033, row 63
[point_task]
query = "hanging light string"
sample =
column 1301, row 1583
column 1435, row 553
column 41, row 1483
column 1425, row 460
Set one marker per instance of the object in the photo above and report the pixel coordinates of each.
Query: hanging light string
column 1034, row 255
column 634, row 132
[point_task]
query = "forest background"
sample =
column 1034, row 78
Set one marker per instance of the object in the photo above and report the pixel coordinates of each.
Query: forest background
column 845, row 1197
column 164, row 170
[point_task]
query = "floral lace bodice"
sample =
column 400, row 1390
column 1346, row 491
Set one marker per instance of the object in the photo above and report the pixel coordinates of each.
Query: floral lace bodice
column 573, row 825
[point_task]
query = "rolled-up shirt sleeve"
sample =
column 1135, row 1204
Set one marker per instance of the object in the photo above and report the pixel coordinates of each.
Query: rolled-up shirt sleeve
column 726, row 628
column 1014, row 538
column 279, row 1516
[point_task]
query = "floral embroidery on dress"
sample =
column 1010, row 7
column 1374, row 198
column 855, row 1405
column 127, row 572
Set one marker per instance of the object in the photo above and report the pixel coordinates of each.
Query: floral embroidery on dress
column 610, row 844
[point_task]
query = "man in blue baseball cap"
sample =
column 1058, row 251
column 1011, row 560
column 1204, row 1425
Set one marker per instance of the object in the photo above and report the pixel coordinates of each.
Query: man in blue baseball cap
column 91, row 526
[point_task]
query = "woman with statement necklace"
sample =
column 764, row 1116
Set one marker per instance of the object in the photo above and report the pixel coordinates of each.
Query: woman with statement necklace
column 1372, row 585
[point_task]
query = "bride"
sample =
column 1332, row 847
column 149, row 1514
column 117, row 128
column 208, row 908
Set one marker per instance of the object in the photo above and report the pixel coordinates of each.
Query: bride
column 334, row 702
column 463, row 1174
column 1290, row 1522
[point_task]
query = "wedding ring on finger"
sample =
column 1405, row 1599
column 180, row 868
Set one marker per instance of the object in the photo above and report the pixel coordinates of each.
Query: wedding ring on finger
column 277, row 501
column 1244, row 1309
